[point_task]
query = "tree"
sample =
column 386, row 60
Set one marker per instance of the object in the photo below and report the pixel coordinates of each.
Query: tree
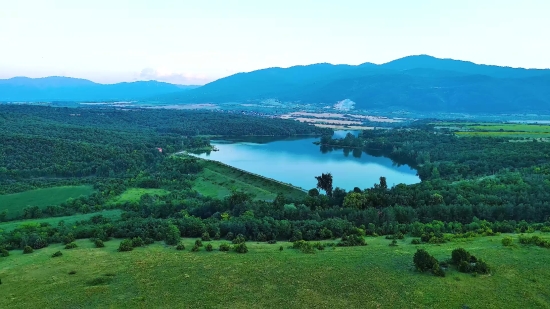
column 383, row 184
column 324, row 182
column 173, row 235
column 423, row 260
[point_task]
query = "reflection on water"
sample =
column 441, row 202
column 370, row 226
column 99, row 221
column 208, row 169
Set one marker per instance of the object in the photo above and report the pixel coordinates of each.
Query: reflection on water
column 298, row 161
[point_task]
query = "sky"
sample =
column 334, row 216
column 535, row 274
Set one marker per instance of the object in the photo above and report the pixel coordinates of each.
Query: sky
column 198, row 41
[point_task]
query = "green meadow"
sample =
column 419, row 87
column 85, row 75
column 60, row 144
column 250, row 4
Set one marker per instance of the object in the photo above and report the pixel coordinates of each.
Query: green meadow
column 14, row 203
column 135, row 194
column 373, row 276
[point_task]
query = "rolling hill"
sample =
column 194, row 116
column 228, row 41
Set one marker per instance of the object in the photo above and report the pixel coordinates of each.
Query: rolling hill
column 58, row 88
column 416, row 83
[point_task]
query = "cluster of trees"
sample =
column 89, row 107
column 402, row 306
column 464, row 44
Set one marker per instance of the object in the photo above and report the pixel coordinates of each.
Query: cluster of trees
column 463, row 260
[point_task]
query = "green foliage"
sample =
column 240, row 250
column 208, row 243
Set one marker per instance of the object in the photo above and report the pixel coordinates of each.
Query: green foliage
column 481, row 267
column 352, row 240
column 198, row 243
column 126, row 245
column 205, row 236
column 240, row 248
column 534, row 240
column 416, row 241
column 99, row 243
column 459, row 255
column 325, row 233
column 225, row 247
column 173, row 235
column 437, row 270
column 57, row 254
column 507, row 241
column 71, row 245
column 424, row 261
column 137, row 242
column 209, row 247
column 281, row 248
column 393, row 243
column 180, row 246
column 69, row 238
column 464, row 267
column 217, row 236
column 195, row 248
column 4, row 252
column 239, row 239
column 27, row 250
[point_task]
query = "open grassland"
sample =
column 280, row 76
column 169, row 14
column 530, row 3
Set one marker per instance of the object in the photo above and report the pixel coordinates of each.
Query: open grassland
column 14, row 203
column 499, row 129
column 218, row 180
column 374, row 276
column 134, row 194
column 68, row 220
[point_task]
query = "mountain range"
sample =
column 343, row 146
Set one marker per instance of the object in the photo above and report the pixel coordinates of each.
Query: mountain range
column 58, row 88
column 415, row 83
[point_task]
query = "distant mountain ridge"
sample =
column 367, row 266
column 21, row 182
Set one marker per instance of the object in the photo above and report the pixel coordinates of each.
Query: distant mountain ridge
column 58, row 88
column 416, row 83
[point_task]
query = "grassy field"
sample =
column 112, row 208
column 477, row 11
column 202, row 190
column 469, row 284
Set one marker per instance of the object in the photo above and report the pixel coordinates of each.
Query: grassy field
column 217, row 180
column 513, row 130
column 134, row 194
column 8, row 226
column 14, row 203
column 374, row 276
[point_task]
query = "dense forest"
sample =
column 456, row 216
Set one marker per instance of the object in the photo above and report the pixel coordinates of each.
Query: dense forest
column 470, row 185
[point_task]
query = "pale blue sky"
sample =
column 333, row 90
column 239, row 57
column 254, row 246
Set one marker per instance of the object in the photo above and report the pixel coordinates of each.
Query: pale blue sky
column 196, row 41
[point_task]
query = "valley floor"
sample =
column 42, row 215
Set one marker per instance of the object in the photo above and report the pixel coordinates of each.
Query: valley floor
column 374, row 276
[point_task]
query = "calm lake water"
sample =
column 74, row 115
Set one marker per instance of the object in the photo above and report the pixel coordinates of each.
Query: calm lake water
column 297, row 161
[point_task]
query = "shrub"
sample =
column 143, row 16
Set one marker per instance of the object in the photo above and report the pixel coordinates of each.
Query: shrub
column 195, row 248
column 4, row 253
column 40, row 243
column 99, row 243
column 241, row 248
column 137, row 242
column 209, row 247
column 303, row 246
column 481, row 267
column 217, row 236
column 229, row 236
column 423, row 260
column 261, row 237
column 149, row 241
column 459, row 255
column 198, row 243
column 239, row 239
column 27, row 250
column 351, row 241
column 180, row 247
column 464, row 267
column 205, row 236
column 507, row 241
column 57, row 254
column 71, row 245
column 399, row 235
column 325, row 233
column 416, row 241
column 281, row 248
column 545, row 229
column 69, row 238
column 437, row 270
column 125, row 246
column 272, row 241
column 72, row 272
column 319, row 246
column 225, row 247
column 393, row 243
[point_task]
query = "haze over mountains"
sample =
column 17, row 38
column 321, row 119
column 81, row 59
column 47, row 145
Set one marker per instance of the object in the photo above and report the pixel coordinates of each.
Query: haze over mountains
column 58, row 88
column 415, row 83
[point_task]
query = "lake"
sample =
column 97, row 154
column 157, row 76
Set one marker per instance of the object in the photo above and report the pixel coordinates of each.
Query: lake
column 297, row 161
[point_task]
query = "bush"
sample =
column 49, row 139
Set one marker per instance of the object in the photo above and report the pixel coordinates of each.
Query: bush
column 149, row 241
column 209, row 247
column 198, row 243
column 239, row 239
column 4, row 253
column 99, row 243
column 217, row 236
column 325, row 233
column 351, row 241
column 464, row 267
column 57, row 254
column 303, row 246
column 205, row 236
column 423, row 260
column 281, row 248
column 319, row 246
column 459, row 255
column 229, row 236
column 69, row 238
column 507, row 241
column 27, row 250
column 437, row 270
column 481, row 267
column 137, row 242
column 241, row 248
column 195, row 248
column 225, row 247
column 180, row 247
column 72, row 272
column 71, row 245
column 393, row 243
column 416, row 241
column 272, row 241
column 125, row 246
column 40, row 243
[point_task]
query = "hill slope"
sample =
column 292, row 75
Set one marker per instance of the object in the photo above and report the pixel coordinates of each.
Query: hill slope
column 58, row 88
column 420, row 83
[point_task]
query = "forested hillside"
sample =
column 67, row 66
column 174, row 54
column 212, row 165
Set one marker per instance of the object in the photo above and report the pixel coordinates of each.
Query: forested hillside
column 416, row 83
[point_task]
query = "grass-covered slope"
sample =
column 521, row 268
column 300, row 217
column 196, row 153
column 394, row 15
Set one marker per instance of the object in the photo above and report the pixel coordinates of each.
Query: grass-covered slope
column 374, row 276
